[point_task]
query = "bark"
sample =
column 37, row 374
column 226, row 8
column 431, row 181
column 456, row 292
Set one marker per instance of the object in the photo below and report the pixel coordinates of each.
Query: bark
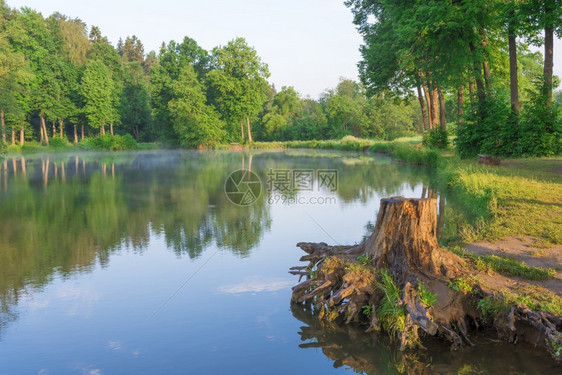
column 425, row 88
column 513, row 84
column 102, row 130
column 111, row 128
column 13, row 137
column 249, row 130
column 75, row 135
column 460, row 104
column 82, row 132
column 242, row 129
column 54, row 130
column 61, row 128
column 2, row 121
column 433, row 108
column 477, row 73
column 422, row 107
column 442, row 119
column 22, row 136
column 548, row 63
column 44, row 127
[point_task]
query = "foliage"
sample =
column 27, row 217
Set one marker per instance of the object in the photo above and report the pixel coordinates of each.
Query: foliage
column 426, row 297
column 459, row 284
column 436, row 138
column 365, row 259
column 109, row 142
column 196, row 123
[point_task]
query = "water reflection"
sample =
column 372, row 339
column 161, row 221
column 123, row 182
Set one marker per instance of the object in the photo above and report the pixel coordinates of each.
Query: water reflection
column 62, row 215
column 348, row 346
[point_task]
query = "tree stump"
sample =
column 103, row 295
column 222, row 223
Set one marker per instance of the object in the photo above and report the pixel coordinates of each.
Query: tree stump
column 399, row 281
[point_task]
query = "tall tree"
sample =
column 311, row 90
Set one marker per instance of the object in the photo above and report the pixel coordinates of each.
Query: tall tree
column 197, row 124
column 97, row 89
column 238, row 83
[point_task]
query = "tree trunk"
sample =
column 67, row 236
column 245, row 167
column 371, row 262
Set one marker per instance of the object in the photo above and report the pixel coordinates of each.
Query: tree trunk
column 425, row 88
column 22, row 135
column 61, row 128
column 75, row 135
column 477, row 74
column 249, row 130
column 44, row 127
column 13, row 137
column 513, row 84
column 54, row 130
column 3, row 126
column 433, row 107
column 422, row 108
column 242, row 129
column 460, row 104
column 102, row 130
column 442, row 119
column 111, row 128
column 548, row 63
column 82, row 132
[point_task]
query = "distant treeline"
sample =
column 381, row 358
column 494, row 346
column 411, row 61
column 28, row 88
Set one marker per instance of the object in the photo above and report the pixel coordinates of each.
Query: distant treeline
column 63, row 81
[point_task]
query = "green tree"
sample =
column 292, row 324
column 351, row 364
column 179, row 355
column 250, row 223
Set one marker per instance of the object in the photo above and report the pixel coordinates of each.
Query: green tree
column 197, row 124
column 97, row 89
column 135, row 101
column 238, row 84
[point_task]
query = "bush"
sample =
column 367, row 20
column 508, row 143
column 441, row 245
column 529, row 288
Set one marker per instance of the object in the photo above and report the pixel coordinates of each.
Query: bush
column 436, row 138
column 109, row 142
column 58, row 142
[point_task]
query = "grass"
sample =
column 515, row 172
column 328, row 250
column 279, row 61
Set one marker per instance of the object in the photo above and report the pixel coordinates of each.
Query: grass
column 533, row 297
column 390, row 311
column 505, row 265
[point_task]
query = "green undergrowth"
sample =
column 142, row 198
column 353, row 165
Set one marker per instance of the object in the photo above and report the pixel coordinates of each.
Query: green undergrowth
column 505, row 265
column 533, row 297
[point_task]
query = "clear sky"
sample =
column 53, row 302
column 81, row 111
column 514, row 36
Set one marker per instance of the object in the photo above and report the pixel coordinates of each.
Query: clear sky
column 308, row 44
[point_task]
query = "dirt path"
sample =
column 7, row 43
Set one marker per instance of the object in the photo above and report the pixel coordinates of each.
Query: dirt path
column 521, row 248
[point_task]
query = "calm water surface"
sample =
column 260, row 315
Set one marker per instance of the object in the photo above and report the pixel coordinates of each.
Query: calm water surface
column 138, row 263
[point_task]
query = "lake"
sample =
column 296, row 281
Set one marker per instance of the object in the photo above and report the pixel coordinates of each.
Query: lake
column 172, row 262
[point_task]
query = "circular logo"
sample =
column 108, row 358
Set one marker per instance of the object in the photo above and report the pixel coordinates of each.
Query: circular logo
column 242, row 187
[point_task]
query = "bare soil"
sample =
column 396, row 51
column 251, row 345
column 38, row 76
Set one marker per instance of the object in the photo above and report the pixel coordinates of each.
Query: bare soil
column 521, row 249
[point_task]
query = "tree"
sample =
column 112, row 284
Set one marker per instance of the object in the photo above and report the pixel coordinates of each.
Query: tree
column 135, row 100
column 197, row 124
column 131, row 50
column 97, row 89
column 238, row 83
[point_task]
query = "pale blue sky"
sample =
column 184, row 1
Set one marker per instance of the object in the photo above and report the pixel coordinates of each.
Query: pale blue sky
column 308, row 44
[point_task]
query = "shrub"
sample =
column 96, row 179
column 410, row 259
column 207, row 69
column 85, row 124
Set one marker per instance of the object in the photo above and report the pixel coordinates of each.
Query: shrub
column 436, row 138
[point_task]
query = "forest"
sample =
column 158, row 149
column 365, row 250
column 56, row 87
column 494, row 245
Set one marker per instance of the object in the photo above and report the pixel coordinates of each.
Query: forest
column 461, row 69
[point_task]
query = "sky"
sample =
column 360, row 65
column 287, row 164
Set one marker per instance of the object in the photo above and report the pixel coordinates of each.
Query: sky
column 308, row 44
